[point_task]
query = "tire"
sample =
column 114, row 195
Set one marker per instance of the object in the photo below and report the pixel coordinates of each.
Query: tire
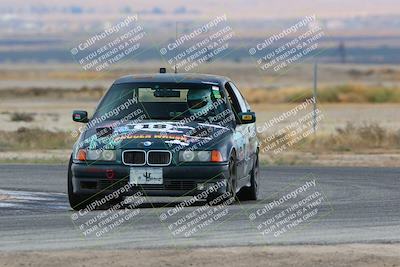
column 230, row 186
column 251, row 192
column 76, row 201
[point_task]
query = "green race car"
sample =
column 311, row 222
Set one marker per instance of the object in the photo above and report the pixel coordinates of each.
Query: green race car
column 166, row 135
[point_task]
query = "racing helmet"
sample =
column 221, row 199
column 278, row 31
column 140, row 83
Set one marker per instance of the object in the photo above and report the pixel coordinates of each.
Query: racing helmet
column 199, row 100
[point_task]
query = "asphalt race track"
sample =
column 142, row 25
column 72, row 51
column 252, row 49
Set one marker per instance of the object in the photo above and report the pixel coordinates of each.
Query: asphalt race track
column 356, row 205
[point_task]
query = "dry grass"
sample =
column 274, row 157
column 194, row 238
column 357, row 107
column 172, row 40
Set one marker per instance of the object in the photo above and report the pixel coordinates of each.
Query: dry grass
column 351, row 138
column 349, row 93
column 351, row 145
column 355, row 138
column 347, row 146
column 83, row 93
column 33, row 139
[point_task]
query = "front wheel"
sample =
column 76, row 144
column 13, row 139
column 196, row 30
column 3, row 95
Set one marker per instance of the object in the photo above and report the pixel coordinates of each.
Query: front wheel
column 251, row 192
column 79, row 201
column 231, row 186
column 76, row 201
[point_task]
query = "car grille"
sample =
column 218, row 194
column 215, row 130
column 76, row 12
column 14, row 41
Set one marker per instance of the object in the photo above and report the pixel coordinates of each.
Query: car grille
column 134, row 157
column 112, row 185
column 180, row 185
column 158, row 158
column 154, row 157
column 168, row 185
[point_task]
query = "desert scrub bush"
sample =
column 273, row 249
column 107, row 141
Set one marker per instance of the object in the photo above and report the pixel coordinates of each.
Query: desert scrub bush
column 21, row 116
column 31, row 139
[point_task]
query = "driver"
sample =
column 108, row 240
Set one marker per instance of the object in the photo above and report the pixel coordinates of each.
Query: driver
column 199, row 101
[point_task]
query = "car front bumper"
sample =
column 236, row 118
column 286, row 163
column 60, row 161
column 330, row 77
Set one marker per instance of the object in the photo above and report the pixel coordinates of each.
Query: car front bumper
column 177, row 180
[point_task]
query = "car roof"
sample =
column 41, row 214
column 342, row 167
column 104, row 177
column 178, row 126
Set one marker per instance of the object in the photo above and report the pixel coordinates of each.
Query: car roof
column 173, row 78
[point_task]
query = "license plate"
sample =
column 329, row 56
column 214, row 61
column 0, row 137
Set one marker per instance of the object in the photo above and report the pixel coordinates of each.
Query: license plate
column 145, row 175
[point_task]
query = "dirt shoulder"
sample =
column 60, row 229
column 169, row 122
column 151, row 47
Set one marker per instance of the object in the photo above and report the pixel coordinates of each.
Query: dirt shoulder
column 332, row 255
column 331, row 159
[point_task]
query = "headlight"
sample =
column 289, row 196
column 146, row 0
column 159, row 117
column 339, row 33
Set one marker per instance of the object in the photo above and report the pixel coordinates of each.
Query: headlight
column 204, row 155
column 187, row 156
column 200, row 156
column 96, row 155
column 109, row 155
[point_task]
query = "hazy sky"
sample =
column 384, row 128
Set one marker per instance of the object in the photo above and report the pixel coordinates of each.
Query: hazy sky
column 233, row 8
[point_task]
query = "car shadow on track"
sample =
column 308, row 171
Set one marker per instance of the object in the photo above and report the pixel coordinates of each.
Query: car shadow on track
column 169, row 204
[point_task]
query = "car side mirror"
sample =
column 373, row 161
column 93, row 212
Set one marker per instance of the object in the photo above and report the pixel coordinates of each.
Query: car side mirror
column 80, row 116
column 246, row 117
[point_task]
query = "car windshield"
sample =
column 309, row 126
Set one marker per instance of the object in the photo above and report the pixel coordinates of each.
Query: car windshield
column 161, row 101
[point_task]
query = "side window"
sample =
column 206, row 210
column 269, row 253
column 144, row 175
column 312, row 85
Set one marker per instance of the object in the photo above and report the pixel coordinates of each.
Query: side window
column 242, row 103
column 232, row 99
column 247, row 105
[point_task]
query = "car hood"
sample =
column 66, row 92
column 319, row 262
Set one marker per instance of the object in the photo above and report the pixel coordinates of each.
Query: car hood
column 154, row 135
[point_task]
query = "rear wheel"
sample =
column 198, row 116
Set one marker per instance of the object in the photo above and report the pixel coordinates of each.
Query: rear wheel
column 251, row 192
